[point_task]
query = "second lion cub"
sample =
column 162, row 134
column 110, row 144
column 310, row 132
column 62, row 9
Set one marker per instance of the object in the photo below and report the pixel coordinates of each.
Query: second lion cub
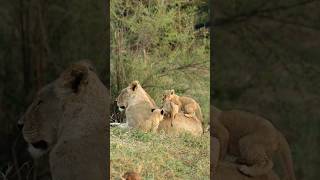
column 171, row 108
column 186, row 104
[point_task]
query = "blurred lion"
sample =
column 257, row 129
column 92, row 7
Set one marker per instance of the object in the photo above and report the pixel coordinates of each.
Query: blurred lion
column 223, row 170
column 252, row 139
column 67, row 122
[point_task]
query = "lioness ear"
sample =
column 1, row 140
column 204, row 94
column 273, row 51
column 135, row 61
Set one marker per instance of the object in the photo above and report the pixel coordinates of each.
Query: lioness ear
column 152, row 110
column 172, row 91
column 134, row 85
column 75, row 77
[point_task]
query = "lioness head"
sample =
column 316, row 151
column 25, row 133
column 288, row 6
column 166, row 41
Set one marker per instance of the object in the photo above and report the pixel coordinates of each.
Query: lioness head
column 167, row 95
column 134, row 92
column 41, row 120
column 126, row 94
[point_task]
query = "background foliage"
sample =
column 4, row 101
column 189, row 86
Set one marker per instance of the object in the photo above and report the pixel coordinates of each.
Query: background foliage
column 38, row 39
column 155, row 42
column 267, row 62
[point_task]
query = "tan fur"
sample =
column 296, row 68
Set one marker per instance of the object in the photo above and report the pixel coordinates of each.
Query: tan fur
column 223, row 170
column 181, row 124
column 41, row 169
column 152, row 123
column 186, row 104
column 131, row 176
column 66, row 120
column 251, row 138
column 138, row 104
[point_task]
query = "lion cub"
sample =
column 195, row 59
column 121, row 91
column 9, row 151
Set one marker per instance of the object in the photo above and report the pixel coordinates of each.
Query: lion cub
column 152, row 123
column 185, row 104
column 253, row 139
column 170, row 108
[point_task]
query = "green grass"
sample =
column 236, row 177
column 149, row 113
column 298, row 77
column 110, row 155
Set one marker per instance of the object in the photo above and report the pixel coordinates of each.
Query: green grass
column 158, row 156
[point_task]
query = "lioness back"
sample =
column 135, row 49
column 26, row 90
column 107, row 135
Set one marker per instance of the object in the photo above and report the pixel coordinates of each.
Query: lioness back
column 181, row 124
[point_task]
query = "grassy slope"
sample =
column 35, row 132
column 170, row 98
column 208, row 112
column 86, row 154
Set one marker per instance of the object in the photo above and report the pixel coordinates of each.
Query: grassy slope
column 158, row 156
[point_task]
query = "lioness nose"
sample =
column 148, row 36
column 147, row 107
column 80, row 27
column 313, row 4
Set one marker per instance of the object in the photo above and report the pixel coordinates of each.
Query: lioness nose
column 20, row 123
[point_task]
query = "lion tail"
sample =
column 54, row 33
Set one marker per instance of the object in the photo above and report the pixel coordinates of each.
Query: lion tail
column 286, row 158
column 199, row 115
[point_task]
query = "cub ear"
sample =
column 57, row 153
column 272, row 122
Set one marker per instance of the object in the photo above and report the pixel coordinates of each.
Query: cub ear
column 75, row 77
column 161, row 111
column 152, row 109
column 134, row 85
column 172, row 91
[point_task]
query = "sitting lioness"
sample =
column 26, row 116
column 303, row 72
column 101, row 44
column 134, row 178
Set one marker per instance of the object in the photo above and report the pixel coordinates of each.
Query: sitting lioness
column 223, row 170
column 186, row 104
column 251, row 138
column 136, row 103
column 67, row 120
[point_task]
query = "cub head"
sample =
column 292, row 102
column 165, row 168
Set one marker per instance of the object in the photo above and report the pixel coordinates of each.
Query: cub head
column 126, row 94
column 170, row 107
column 166, row 106
column 41, row 120
column 168, row 94
column 157, row 114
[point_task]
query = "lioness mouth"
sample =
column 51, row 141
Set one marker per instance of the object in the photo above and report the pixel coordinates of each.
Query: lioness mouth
column 121, row 108
column 40, row 145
